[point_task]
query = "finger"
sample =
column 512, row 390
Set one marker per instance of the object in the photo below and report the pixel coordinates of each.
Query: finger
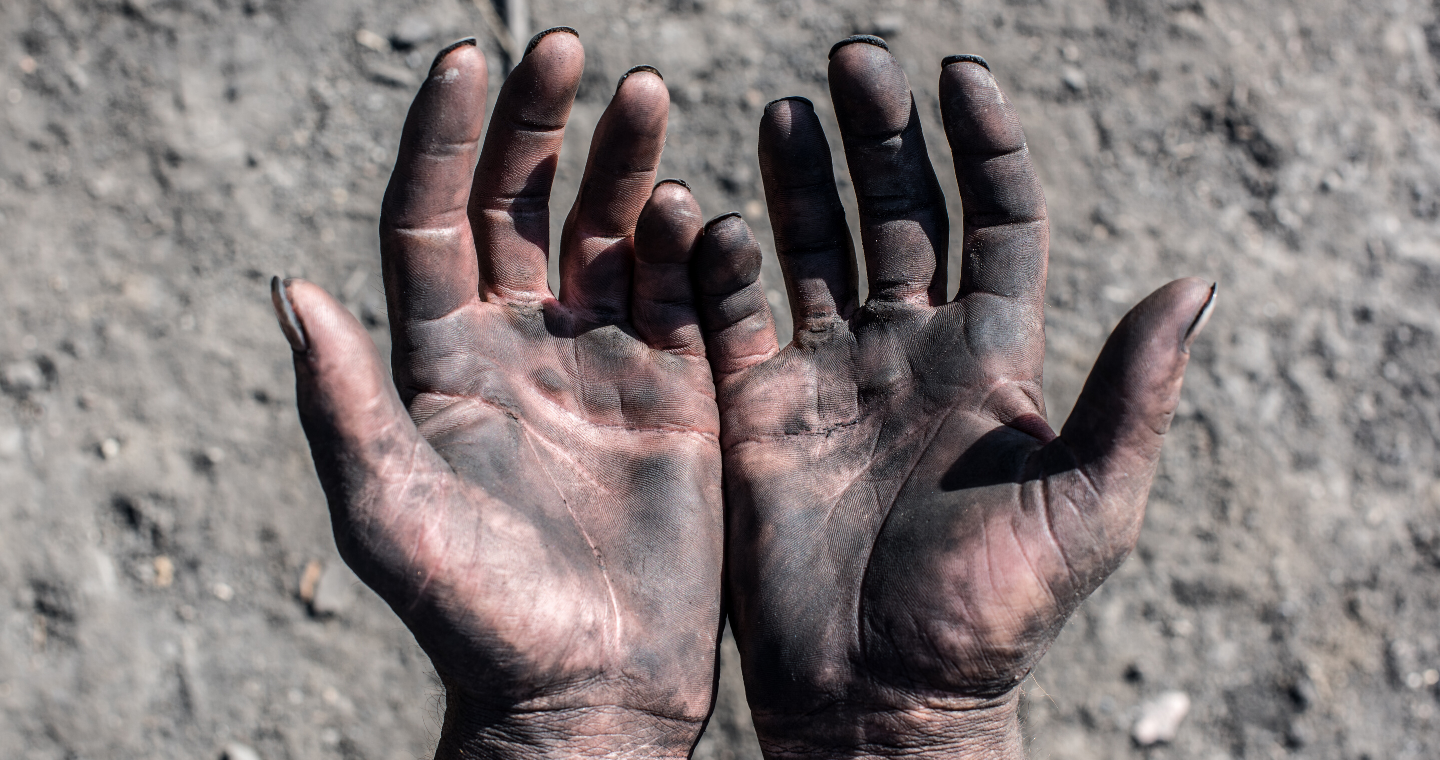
column 359, row 432
column 598, row 243
column 811, row 236
column 426, row 248
column 739, row 330
column 903, row 222
column 510, row 198
column 1007, row 235
column 1121, row 417
column 663, row 301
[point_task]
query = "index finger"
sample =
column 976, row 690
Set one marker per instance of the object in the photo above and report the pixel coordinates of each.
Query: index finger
column 1007, row 233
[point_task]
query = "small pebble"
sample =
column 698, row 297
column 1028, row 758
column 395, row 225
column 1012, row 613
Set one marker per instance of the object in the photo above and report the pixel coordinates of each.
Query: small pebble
column 238, row 751
column 373, row 41
column 164, row 571
column 1074, row 79
column 887, row 24
column 411, row 31
column 223, row 591
column 109, row 448
column 22, row 377
column 1160, row 718
column 334, row 592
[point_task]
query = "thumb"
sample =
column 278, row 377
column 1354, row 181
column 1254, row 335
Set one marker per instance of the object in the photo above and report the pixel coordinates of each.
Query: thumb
column 357, row 427
column 1124, row 411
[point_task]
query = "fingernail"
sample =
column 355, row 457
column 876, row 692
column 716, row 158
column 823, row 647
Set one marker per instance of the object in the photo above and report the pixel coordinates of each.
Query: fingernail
column 795, row 98
column 452, row 47
column 285, row 313
column 636, row 69
column 965, row 58
column 536, row 39
column 1201, row 318
column 721, row 218
column 868, row 39
column 672, row 181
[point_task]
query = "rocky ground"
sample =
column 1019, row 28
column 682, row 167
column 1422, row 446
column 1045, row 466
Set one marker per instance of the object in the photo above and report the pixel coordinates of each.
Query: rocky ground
column 170, row 587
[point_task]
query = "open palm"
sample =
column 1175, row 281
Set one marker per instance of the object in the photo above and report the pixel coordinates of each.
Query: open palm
column 537, row 494
column 906, row 533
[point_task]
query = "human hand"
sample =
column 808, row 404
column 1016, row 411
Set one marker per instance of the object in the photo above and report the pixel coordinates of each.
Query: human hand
column 540, row 500
column 906, row 533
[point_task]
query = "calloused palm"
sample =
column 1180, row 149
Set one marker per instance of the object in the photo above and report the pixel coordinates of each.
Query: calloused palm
column 906, row 534
column 539, row 500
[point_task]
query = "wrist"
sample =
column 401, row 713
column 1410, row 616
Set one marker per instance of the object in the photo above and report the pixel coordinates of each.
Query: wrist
column 590, row 731
column 988, row 730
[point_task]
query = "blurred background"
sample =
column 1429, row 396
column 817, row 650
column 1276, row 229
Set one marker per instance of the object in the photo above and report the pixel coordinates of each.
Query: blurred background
column 168, row 584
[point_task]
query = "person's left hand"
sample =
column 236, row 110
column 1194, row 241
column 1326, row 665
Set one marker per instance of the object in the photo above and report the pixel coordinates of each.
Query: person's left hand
column 906, row 535
column 537, row 494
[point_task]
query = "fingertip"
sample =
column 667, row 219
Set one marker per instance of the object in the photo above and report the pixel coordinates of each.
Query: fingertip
column 865, row 39
column 285, row 313
column 787, row 103
column 535, row 41
column 551, row 56
column 451, row 48
column 642, row 90
column 728, row 256
column 951, row 60
column 1202, row 318
column 870, row 89
column 729, row 219
column 668, row 225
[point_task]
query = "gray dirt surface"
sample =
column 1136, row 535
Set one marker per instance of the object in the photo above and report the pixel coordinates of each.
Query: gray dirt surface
column 170, row 586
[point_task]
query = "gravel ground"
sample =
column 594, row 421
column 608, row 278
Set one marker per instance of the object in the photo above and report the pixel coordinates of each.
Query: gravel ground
column 169, row 583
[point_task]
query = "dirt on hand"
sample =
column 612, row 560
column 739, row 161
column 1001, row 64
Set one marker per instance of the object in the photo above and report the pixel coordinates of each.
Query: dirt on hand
column 171, row 588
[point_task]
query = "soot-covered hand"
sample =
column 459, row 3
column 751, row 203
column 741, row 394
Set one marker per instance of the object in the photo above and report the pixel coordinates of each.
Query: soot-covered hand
column 906, row 534
column 537, row 492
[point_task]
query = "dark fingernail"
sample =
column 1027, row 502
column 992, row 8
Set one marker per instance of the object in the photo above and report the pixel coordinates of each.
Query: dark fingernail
column 721, row 218
column 452, row 47
column 965, row 58
column 795, row 98
column 285, row 313
column 536, row 39
column 1201, row 318
column 637, row 69
column 672, row 181
column 868, row 39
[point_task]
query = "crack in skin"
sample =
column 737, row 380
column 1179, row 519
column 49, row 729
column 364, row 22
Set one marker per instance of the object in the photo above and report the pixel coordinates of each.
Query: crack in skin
column 594, row 548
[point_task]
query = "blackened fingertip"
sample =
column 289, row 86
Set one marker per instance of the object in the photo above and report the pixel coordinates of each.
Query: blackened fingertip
column 529, row 46
column 636, row 70
column 448, row 49
column 285, row 314
column 673, row 181
column 1201, row 318
column 868, row 39
column 950, row 60
column 794, row 98
column 727, row 215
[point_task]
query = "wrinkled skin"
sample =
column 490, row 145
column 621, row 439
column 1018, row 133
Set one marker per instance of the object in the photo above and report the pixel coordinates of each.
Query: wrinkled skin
column 906, row 534
column 537, row 492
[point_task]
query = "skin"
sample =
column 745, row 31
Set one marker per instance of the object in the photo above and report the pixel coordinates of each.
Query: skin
column 906, row 535
column 534, row 486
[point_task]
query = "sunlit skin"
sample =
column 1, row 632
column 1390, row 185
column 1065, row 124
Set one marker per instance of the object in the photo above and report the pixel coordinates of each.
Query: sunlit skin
column 906, row 534
column 537, row 493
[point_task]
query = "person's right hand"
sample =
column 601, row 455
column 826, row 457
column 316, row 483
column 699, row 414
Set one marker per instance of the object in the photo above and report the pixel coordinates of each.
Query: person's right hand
column 540, row 500
column 906, row 535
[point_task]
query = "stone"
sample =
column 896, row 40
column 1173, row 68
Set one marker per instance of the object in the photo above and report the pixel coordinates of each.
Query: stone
column 335, row 590
column 238, row 751
column 22, row 377
column 1160, row 718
